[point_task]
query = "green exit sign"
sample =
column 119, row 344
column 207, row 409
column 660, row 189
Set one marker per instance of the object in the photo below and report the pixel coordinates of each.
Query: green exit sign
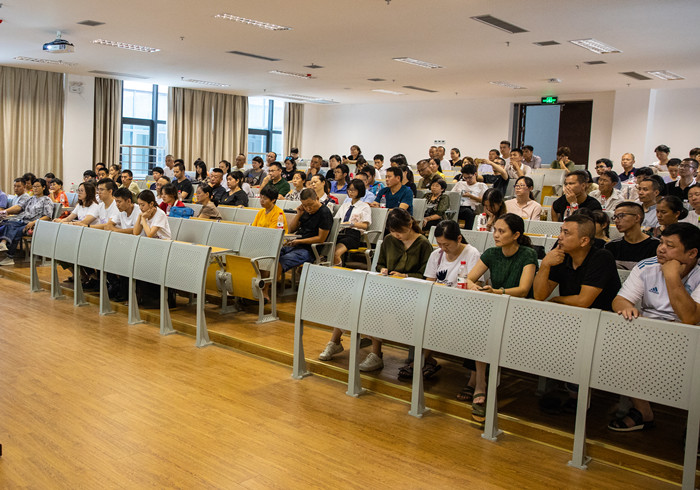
column 549, row 100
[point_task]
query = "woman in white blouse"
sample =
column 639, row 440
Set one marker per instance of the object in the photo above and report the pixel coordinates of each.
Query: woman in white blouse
column 524, row 204
column 87, row 209
column 355, row 216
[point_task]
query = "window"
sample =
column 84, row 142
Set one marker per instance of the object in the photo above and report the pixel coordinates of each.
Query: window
column 144, row 131
column 265, row 124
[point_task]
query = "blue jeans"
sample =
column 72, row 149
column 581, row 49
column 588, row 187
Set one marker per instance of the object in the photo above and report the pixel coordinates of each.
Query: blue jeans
column 293, row 256
column 11, row 231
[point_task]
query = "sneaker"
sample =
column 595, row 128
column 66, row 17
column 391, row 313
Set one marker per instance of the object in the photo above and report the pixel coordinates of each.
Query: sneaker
column 3, row 246
column 8, row 261
column 331, row 349
column 372, row 363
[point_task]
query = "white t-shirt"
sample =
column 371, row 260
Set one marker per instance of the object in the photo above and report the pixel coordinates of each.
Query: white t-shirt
column 445, row 165
column 646, row 283
column 168, row 172
column 160, row 219
column 124, row 221
column 477, row 189
column 104, row 215
column 444, row 271
column 513, row 174
column 380, row 174
column 361, row 212
column 82, row 211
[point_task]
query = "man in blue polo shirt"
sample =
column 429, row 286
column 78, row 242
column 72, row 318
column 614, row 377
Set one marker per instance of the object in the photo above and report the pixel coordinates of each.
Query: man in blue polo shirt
column 395, row 193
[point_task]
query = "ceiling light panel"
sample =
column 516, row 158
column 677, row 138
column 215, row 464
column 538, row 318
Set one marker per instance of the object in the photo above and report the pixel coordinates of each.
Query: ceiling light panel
column 420, row 89
column 546, row 43
column 256, row 56
column 502, row 25
column 666, row 75
column 46, row 62
column 595, row 46
column 422, row 64
column 595, row 62
column 390, row 92
column 118, row 74
column 254, row 23
column 91, row 23
column 635, row 75
column 205, row 82
column 290, row 74
column 501, row 83
column 132, row 47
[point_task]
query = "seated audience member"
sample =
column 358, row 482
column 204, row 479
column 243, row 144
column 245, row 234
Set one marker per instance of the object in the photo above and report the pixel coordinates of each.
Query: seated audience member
column 602, row 228
column 102, row 173
column 669, row 210
column 484, row 165
column 404, row 253
column 128, row 182
column 444, row 165
column 315, row 167
column 498, row 177
column 372, row 185
column 218, row 191
column 201, row 176
column 434, row 164
column 591, row 185
column 182, row 183
column 574, row 197
column 20, row 192
column 169, row 195
column 56, row 193
column 115, row 173
column 225, row 167
column 355, row 216
column 270, row 216
column 512, row 264
column 322, row 187
column 365, row 178
column 312, row 222
column 88, row 176
column 254, row 176
column 505, row 150
column 607, row 194
column 163, row 181
column 562, row 161
column 630, row 191
column 673, row 169
column 524, row 204
column 471, row 192
column 515, row 167
column 634, row 245
column 668, row 287
column 379, row 166
column 628, row 170
column 686, row 172
column 26, row 214
column 603, row 165
column 157, row 175
column 465, row 161
column 355, row 157
column 494, row 207
column 274, row 178
column 125, row 220
column 297, row 185
column 235, row 195
column 455, row 157
column 649, row 190
column 530, row 159
column 204, row 197
column 398, row 160
column 290, row 168
column 107, row 208
column 395, row 194
column 168, row 166
column 407, row 180
column 3, row 200
column 427, row 174
column 152, row 222
column 694, row 201
column 87, row 209
column 661, row 152
column 341, row 180
column 436, row 205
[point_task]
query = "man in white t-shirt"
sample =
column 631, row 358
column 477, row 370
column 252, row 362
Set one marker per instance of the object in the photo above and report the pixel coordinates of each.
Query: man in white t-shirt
column 505, row 150
column 515, row 166
column 668, row 287
column 445, row 165
column 168, row 168
column 380, row 172
column 471, row 192
column 124, row 221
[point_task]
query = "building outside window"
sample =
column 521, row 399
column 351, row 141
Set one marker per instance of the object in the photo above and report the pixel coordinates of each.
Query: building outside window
column 265, row 126
column 144, row 136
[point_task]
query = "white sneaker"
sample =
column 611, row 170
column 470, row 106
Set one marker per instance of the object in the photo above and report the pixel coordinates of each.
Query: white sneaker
column 8, row 261
column 3, row 246
column 371, row 363
column 331, row 349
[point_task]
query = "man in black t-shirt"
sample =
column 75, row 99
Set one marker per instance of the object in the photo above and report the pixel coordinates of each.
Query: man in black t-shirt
column 182, row 183
column 218, row 191
column 634, row 245
column 312, row 223
column 575, row 196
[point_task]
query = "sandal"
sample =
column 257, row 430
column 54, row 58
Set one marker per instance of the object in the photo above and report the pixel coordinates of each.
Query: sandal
column 466, row 395
column 430, row 368
column 619, row 425
column 406, row 372
column 479, row 409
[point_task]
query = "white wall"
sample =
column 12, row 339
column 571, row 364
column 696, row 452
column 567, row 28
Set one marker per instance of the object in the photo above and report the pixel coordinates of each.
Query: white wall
column 675, row 122
column 77, row 130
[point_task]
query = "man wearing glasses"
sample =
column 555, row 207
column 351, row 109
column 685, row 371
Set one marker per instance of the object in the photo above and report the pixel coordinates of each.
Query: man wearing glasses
column 634, row 245
column 686, row 174
column 603, row 165
column 607, row 195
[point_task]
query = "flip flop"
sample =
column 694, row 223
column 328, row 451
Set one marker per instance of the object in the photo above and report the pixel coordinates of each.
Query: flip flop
column 466, row 395
column 479, row 409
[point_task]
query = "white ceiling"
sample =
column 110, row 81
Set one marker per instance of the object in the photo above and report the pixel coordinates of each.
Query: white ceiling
column 356, row 39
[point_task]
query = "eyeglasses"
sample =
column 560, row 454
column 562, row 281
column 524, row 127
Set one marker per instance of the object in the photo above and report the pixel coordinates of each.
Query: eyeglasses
column 685, row 165
column 519, row 186
column 621, row 215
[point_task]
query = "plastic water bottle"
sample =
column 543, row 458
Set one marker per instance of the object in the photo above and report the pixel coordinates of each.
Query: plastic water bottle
column 462, row 275
column 481, row 224
column 567, row 213
column 72, row 187
column 280, row 222
column 382, row 202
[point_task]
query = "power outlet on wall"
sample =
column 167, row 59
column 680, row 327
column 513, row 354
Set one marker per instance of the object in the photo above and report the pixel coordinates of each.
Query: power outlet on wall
column 439, row 142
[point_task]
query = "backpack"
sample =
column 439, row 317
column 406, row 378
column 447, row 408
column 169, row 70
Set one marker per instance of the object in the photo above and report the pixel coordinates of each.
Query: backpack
column 181, row 212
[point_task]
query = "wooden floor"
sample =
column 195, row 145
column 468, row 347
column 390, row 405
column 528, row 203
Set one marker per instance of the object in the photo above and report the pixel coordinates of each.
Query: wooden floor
column 91, row 402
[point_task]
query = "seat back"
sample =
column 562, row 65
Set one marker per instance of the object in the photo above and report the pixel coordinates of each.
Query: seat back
column 72, row 198
column 549, row 200
column 378, row 223
column 228, row 213
column 174, row 224
column 194, row 231
column 623, row 275
column 151, row 260
column 328, row 250
column 375, row 257
column 289, row 205
column 510, row 189
column 93, row 247
column 537, row 227
column 120, row 254
column 614, row 232
column 552, row 176
column 226, row 235
column 57, row 208
column 44, row 238
column 465, row 323
column 455, row 200
column 244, row 215
column 476, row 239
column 538, row 240
column 187, row 267
column 419, row 209
column 548, row 339
column 262, row 242
column 339, row 196
column 394, row 309
column 254, row 202
column 197, row 208
column 67, row 243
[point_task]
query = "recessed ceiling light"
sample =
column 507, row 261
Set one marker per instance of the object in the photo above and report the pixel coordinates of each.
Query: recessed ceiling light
column 390, row 92
column 595, row 62
column 420, row 89
column 554, row 80
column 492, row 21
column 290, row 74
column 666, row 75
column 501, row 83
column 204, row 82
column 595, row 46
column 132, row 47
column 305, row 98
column 91, row 23
column 635, row 75
column 46, row 62
column 254, row 23
column 251, row 55
column 422, row 64
column 546, row 43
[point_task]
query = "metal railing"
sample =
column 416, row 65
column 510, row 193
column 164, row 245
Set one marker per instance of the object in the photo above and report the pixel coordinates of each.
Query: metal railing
column 140, row 159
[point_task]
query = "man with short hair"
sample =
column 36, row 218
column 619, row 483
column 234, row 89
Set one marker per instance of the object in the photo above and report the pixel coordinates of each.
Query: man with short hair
column 427, row 174
column 395, row 193
column 125, row 219
column 168, row 169
column 694, row 154
column 269, row 158
column 157, row 174
column 274, row 178
column 240, row 161
column 432, row 152
column 369, row 195
column 686, row 172
column 634, row 245
column 505, row 150
column 603, row 165
column 128, row 182
column 661, row 163
column 648, row 191
column 606, row 194
column 313, row 222
column 694, row 201
column 628, row 170
column 672, row 166
column 159, row 185
column 514, row 167
column 445, row 165
column 530, row 159
column 218, row 191
column 20, row 192
column 108, row 207
column 378, row 165
column 486, row 166
column 575, row 196
column 102, row 173
column 470, row 191
column 88, row 176
column 182, row 183
column 372, row 186
column 315, row 167
column 668, row 287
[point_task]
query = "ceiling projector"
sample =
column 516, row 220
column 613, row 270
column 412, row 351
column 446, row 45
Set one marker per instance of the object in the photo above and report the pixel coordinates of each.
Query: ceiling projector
column 59, row 45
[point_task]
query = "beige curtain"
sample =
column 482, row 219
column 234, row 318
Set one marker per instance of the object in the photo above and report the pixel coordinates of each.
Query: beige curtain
column 293, row 126
column 31, row 123
column 207, row 125
column 108, row 121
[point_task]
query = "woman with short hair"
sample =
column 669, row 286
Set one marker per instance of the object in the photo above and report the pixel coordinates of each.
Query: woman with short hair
column 355, row 217
column 235, row 195
column 436, row 205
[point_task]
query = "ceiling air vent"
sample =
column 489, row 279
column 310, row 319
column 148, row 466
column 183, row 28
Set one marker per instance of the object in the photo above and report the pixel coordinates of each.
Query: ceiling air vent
column 421, row 89
column 546, row 43
column 499, row 24
column 256, row 56
column 91, row 23
column 117, row 74
column 635, row 75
